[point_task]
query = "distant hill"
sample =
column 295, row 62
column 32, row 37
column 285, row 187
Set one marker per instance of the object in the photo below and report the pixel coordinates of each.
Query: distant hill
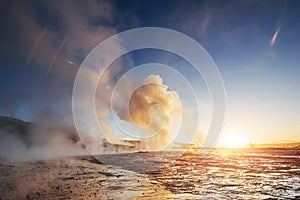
column 284, row 142
column 27, row 140
column 23, row 129
column 281, row 144
column 15, row 128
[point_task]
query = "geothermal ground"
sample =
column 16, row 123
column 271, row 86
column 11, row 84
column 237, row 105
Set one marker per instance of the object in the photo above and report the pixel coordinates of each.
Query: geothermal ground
column 74, row 178
column 223, row 174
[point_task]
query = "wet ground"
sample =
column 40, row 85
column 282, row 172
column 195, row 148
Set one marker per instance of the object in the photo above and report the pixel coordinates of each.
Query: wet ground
column 223, row 174
column 231, row 174
column 74, row 178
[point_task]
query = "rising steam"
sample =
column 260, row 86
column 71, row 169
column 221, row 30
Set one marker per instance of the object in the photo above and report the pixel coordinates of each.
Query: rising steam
column 154, row 106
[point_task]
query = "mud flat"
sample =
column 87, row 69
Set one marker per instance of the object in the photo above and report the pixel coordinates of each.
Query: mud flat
column 74, row 178
column 223, row 174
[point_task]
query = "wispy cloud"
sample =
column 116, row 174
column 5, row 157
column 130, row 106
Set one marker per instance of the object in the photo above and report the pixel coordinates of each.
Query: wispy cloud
column 67, row 31
column 72, row 30
column 274, row 38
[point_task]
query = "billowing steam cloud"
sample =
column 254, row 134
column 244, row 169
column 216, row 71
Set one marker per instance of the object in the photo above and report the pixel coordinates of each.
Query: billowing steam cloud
column 152, row 105
column 52, row 50
column 65, row 35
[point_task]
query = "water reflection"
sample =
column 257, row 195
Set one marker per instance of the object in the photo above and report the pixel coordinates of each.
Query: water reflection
column 224, row 173
column 244, row 174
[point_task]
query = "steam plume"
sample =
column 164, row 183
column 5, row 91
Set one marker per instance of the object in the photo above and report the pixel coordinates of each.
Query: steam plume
column 153, row 105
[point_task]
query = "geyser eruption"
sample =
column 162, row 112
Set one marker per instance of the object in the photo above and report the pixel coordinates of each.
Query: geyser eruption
column 151, row 109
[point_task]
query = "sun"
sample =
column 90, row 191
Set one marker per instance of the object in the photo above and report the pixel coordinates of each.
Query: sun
column 233, row 140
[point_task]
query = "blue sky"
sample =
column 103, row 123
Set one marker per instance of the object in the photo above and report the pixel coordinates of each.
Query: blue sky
column 262, row 81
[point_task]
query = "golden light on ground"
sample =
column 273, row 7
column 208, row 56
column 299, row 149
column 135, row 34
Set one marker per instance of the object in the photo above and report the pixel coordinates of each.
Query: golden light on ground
column 233, row 140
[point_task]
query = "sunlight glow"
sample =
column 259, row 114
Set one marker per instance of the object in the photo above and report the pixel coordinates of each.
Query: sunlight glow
column 233, row 140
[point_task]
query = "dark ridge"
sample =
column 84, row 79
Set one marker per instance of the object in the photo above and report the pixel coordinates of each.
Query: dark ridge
column 16, row 127
column 22, row 130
